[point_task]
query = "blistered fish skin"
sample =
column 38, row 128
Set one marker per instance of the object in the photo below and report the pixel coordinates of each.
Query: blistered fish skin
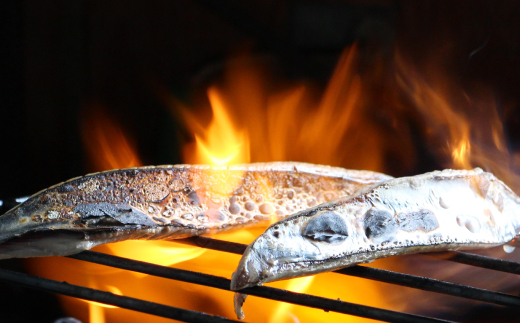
column 437, row 211
column 167, row 202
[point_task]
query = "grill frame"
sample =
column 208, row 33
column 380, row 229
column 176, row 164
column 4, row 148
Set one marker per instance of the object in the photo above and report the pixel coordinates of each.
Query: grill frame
column 326, row 304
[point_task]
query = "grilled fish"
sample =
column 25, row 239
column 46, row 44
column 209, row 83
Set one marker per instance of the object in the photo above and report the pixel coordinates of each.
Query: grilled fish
column 437, row 211
column 167, row 202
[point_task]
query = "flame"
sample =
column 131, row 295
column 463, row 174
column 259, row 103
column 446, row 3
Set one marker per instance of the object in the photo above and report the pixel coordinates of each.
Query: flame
column 222, row 144
column 298, row 285
column 96, row 313
column 461, row 153
column 467, row 127
column 106, row 144
column 255, row 119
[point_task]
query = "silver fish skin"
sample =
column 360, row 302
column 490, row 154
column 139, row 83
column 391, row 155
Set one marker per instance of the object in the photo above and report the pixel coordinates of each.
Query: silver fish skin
column 168, row 202
column 437, row 211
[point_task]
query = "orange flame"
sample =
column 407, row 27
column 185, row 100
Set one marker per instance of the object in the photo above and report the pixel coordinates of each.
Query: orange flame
column 106, row 144
column 467, row 128
column 221, row 144
column 253, row 123
column 284, row 126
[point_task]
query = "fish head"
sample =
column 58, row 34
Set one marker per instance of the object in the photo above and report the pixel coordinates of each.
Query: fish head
column 303, row 244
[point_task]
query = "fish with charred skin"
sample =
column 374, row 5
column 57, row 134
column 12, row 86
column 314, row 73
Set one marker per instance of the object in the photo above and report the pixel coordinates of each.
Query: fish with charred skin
column 437, row 211
column 168, row 202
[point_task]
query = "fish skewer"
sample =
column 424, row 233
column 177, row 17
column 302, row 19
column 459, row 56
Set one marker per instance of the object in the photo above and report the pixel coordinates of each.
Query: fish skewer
column 437, row 211
column 168, row 202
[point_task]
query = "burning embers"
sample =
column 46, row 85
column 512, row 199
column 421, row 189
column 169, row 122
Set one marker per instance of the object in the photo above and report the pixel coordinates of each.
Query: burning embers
column 352, row 126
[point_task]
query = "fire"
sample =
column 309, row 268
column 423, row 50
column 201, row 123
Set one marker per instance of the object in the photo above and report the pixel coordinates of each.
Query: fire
column 251, row 122
column 461, row 154
column 467, row 127
column 106, row 144
column 221, row 144
column 283, row 312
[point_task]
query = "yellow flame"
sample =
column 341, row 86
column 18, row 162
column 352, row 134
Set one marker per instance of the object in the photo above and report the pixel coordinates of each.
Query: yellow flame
column 282, row 312
column 156, row 252
column 251, row 123
column 222, row 144
column 96, row 313
column 95, row 309
column 461, row 154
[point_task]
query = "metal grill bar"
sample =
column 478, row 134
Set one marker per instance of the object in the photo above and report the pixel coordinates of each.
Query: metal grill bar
column 418, row 282
column 135, row 304
column 478, row 261
column 423, row 283
column 261, row 291
column 432, row 285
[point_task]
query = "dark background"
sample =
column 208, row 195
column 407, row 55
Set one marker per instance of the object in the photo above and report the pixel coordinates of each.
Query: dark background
column 57, row 57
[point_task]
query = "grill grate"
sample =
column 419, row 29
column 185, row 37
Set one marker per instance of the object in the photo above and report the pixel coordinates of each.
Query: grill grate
column 326, row 304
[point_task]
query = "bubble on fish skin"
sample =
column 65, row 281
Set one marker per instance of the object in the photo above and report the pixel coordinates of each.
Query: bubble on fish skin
column 187, row 216
column 443, row 202
column 234, row 208
column 250, row 206
column 469, row 222
column 472, row 225
column 290, row 194
column 266, row 208
column 169, row 212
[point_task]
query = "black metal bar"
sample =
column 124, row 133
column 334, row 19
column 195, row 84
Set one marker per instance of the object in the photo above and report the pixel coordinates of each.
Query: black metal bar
column 432, row 285
column 108, row 298
column 418, row 282
column 261, row 291
column 479, row 261
column 214, row 244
